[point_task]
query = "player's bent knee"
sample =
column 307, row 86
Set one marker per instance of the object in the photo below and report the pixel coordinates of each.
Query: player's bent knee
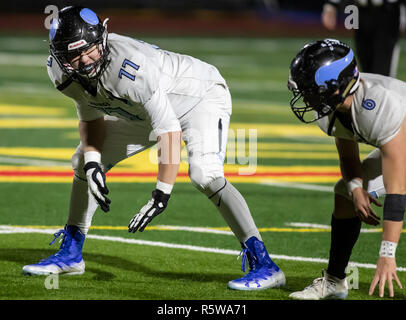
column 340, row 188
column 343, row 204
column 78, row 162
column 343, row 208
column 205, row 181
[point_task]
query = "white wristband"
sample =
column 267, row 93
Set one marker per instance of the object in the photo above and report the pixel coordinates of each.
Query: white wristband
column 164, row 187
column 92, row 156
column 388, row 249
column 353, row 184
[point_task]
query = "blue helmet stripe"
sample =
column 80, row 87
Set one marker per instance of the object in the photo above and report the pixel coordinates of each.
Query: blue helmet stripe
column 53, row 29
column 89, row 16
column 332, row 70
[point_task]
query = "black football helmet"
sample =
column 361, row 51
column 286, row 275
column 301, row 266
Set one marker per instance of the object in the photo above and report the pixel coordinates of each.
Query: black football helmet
column 75, row 30
column 323, row 74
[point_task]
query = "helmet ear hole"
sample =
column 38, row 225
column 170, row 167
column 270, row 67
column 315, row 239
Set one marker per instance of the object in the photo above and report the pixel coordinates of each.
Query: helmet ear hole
column 322, row 89
column 334, row 85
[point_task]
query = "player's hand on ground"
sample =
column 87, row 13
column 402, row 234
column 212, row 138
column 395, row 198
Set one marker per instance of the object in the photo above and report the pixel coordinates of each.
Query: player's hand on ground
column 385, row 272
column 362, row 204
column 96, row 180
column 154, row 207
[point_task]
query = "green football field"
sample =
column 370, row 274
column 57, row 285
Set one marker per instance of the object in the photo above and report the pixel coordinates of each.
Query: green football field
column 187, row 253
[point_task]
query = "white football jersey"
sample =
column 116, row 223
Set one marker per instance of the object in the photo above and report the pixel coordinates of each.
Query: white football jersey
column 142, row 83
column 377, row 111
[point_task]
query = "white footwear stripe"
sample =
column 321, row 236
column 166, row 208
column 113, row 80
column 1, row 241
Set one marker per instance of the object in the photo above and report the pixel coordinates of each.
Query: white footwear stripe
column 8, row 230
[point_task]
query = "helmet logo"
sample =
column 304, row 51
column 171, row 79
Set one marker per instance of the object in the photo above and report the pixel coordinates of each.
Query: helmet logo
column 53, row 29
column 89, row 16
column 332, row 70
column 77, row 44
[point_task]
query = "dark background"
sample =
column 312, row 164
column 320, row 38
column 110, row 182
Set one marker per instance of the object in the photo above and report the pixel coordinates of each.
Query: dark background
column 189, row 17
column 231, row 5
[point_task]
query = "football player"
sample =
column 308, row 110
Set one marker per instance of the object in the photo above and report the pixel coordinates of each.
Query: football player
column 126, row 92
column 355, row 108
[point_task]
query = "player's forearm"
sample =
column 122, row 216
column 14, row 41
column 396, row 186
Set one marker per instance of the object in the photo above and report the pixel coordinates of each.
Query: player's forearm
column 167, row 173
column 350, row 163
column 392, row 230
column 350, row 169
column 92, row 134
column 169, row 151
column 393, row 156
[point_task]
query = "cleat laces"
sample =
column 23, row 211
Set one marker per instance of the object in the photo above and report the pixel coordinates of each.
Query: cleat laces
column 55, row 257
column 57, row 235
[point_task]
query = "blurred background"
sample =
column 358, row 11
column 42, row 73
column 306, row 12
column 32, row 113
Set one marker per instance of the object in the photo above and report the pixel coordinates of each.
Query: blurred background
column 209, row 17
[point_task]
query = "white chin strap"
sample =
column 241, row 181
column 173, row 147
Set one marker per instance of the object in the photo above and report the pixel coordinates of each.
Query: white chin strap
column 355, row 86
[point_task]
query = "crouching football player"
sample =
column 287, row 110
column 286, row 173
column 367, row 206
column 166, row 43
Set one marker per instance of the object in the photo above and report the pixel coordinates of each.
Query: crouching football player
column 355, row 108
column 124, row 89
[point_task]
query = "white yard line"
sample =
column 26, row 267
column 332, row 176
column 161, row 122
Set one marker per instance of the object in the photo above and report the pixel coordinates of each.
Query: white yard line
column 303, row 186
column 35, row 162
column 22, row 59
column 324, row 226
column 195, row 229
column 308, row 225
column 9, row 230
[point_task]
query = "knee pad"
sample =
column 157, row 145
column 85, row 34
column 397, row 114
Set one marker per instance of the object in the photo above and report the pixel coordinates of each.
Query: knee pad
column 78, row 162
column 215, row 187
column 203, row 175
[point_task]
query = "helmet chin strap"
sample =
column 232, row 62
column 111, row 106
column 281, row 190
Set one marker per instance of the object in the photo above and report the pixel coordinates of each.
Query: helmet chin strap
column 350, row 89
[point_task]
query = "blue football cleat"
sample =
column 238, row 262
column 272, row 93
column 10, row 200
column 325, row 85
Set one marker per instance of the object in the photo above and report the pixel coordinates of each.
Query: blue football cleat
column 263, row 274
column 67, row 260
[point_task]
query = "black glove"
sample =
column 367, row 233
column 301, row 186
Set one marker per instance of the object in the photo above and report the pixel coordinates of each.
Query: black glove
column 96, row 180
column 154, row 207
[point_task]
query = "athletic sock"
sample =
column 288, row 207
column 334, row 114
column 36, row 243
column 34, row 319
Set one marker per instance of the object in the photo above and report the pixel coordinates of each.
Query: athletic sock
column 82, row 205
column 344, row 235
column 233, row 208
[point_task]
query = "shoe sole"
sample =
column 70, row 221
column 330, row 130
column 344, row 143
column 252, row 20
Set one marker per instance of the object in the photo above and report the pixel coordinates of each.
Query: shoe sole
column 340, row 296
column 31, row 273
column 67, row 272
column 280, row 282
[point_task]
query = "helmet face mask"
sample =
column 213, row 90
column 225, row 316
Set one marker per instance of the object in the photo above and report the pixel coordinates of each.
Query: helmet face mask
column 76, row 31
column 321, row 76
